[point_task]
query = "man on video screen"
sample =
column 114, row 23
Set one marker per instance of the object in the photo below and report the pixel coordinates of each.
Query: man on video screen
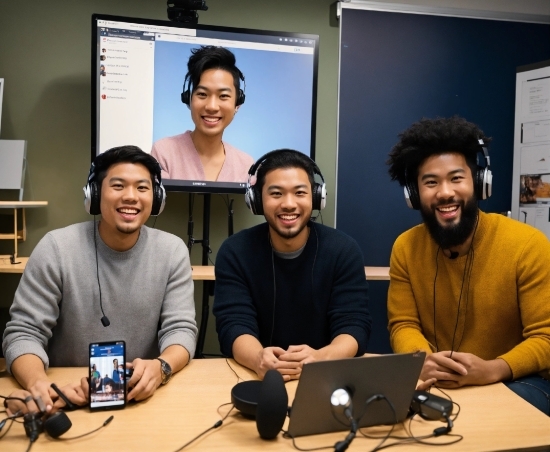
column 213, row 93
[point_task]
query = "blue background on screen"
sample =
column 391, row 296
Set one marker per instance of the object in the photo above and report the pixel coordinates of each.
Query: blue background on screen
column 277, row 112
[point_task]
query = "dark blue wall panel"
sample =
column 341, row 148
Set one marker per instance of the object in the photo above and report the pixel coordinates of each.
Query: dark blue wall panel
column 397, row 68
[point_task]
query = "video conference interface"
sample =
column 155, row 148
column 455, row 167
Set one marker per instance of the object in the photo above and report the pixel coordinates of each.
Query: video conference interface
column 140, row 74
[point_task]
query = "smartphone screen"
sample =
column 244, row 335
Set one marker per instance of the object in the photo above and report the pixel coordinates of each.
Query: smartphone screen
column 107, row 380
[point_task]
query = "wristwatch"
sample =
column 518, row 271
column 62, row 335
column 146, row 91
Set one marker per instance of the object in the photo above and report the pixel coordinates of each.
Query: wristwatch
column 165, row 370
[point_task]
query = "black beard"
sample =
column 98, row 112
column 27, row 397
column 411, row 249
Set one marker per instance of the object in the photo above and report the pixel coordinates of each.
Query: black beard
column 454, row 235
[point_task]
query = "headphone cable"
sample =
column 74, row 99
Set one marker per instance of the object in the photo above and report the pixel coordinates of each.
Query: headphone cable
column 104, row 320
column 216, row 425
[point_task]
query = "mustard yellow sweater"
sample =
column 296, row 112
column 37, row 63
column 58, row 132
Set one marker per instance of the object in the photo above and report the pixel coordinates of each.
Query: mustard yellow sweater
column 505, row 305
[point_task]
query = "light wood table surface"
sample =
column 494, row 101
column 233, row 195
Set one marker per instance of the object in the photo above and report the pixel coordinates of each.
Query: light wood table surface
column 491, row 418
column 200, row 272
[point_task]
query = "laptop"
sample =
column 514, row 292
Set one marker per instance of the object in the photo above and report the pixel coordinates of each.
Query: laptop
column 394, row 376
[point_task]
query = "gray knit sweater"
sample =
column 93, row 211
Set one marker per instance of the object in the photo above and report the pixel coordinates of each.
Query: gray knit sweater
column 147, row 294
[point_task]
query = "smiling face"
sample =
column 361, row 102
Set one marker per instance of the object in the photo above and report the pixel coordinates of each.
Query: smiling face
column 213, row 102
column 126, row 201
column 448, row 204
column 287, row 203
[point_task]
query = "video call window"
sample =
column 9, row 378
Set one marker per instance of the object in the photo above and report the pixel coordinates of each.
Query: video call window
column 138, row 76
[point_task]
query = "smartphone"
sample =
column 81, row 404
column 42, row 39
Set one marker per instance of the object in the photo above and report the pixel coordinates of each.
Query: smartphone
column 107, row 379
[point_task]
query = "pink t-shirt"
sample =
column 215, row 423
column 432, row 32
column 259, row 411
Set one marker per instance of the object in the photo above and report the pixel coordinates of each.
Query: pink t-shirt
column 179, row 159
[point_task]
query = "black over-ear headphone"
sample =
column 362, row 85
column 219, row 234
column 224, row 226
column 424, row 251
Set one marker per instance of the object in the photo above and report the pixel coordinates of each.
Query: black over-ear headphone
column 483, row 182
column 253, row 196
column 266, row 400
column 186, row 92
column 92, row 192
column 54, row 425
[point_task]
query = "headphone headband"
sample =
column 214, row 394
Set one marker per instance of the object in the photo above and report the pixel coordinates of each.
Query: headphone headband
column 253, row 196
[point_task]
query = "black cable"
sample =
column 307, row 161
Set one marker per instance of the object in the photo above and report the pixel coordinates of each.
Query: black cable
column 341, row 446
column 216, row 425
column 466, row 274
column 274, row 291
column 470, row 252
column 105, row 424
column 411, row 438
column 233, row 370
column 104, row 320
column 11, row 418
column 287, row 435
column 6, row 398
column 191, row 239
column 435, row 279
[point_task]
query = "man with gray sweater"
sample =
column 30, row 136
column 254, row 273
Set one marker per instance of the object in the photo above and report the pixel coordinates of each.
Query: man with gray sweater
column 111, row 280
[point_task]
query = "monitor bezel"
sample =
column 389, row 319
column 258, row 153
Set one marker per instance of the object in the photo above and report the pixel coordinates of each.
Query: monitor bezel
column 188, row 185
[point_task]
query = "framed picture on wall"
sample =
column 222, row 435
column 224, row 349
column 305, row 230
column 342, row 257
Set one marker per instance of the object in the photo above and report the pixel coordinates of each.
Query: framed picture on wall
column 1, row 93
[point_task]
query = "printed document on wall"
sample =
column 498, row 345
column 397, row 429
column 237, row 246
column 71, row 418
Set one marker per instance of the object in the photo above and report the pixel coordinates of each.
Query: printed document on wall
column 531, row 184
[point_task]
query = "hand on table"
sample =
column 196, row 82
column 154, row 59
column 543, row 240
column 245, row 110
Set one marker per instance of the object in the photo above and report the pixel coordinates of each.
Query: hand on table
column 146, row 378
column 456, row 369
column 23, row 401
column 269, row 358
column 300, row 355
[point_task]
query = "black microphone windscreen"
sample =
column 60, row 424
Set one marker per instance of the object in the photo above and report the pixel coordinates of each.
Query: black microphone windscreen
column 57, row 424
column 105, row 321
column 272, row 405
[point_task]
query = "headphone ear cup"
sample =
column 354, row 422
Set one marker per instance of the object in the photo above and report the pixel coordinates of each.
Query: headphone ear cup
column 240, row 98
column 411, row 196
column 94, row 199
column 257, row 202
column 57, row 424
column 249, row 199
column 159, row 199
column 253, row 200
column 484, row 183
column 186, row 97
column 319, row 196
column 272, row 405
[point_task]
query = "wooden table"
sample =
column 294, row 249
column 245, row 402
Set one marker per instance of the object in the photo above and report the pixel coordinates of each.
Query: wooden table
column 200, row 272
column 492, row 418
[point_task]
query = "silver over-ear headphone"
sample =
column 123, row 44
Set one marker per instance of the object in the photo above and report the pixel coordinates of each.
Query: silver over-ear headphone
column 92, row 197
column 483, row 182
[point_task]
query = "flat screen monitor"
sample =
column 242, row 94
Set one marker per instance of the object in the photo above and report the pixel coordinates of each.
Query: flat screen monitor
column 138, row 73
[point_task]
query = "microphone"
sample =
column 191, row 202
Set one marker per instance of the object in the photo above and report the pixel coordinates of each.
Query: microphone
column 341, row 404
column 454, row 254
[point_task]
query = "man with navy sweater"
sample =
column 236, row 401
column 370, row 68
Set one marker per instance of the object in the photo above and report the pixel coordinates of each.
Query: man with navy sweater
column 289, row 291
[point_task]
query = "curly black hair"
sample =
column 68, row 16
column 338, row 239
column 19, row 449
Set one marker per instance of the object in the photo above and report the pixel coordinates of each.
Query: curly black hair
column 429, row 137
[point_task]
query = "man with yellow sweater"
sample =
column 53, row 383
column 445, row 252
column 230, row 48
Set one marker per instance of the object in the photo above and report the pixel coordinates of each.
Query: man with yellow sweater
column 469, row 288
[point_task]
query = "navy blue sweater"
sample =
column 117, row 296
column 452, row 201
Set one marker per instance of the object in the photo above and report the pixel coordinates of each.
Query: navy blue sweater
column 307, row 300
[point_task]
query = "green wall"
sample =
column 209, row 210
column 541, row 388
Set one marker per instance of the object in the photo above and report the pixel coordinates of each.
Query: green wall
column 45, row 60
